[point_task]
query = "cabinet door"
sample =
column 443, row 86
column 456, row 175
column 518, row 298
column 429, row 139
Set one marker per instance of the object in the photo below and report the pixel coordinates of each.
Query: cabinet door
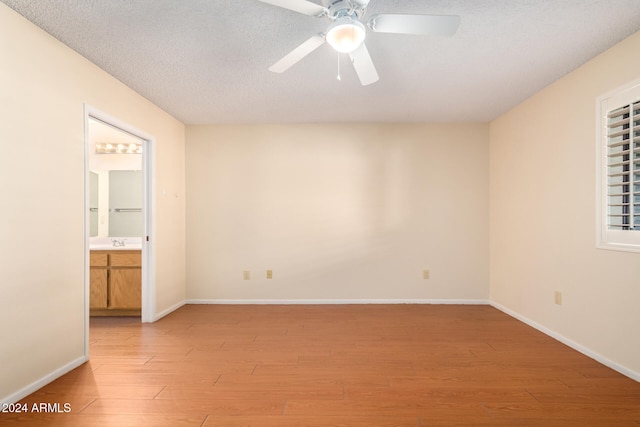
column 126, row 288
column 98, row 288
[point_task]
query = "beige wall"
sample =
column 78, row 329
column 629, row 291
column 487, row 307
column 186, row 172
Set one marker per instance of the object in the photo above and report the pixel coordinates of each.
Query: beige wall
column 338, row 212
column 543, row 210
column 43, row 86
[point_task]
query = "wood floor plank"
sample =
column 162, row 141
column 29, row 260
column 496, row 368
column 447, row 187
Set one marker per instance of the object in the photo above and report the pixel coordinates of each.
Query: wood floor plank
column 252, row 392
column 317, row 421
column 333, row 365
column 185, row 407
column 396, row 407
column 109, row 420
column 441, row 395
column 95, row 391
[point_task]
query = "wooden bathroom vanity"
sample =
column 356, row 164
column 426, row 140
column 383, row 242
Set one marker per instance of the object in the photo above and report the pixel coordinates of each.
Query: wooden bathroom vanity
column 115, row 282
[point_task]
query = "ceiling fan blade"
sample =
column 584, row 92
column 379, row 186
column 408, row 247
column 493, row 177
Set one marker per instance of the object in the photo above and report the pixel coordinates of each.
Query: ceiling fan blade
column 297, row 54
column 301, row 6
column 363, row 65
column 426, row 25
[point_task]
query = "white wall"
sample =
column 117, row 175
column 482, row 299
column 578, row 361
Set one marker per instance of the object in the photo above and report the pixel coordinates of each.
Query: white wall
column 543, row 209
column 338, row 212
column 43, row 88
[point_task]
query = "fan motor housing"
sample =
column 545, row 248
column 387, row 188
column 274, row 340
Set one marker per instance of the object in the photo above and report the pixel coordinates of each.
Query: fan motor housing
column 360, row 3
column 341, row 8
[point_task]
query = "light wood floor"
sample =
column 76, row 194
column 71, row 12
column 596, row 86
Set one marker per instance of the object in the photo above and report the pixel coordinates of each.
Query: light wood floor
column 334, row 365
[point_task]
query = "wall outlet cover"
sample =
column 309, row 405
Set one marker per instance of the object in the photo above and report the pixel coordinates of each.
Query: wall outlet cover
column 557, row 297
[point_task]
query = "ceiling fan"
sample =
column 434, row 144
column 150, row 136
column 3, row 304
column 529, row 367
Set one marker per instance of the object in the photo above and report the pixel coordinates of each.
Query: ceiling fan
column 347, row 32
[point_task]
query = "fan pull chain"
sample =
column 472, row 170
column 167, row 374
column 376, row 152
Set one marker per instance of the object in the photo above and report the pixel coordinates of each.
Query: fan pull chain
column 339, row 77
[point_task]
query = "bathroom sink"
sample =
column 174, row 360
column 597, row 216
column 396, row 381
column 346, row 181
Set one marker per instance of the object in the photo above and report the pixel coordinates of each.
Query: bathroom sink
column 121, row 243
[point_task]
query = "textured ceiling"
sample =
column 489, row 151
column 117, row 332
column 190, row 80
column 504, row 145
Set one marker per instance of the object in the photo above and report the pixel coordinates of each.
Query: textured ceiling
column 206, row 61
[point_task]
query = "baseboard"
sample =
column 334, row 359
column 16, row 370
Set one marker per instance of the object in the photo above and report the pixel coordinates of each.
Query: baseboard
column 574, row 345
column 337, row 301
column 169, row 310
column 37, row 385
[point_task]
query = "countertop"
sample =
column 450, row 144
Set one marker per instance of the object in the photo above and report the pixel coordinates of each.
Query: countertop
column 107, row 243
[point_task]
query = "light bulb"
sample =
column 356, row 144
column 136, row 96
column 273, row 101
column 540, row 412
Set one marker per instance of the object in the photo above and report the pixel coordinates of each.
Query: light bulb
column 346, row 35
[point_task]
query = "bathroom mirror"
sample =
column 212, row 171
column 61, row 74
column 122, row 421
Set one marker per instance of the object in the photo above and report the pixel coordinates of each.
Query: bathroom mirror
column 116, row 203
column 93, row 203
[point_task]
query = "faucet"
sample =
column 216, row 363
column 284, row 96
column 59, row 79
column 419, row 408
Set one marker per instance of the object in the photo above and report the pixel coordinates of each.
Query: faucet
column 118, row 243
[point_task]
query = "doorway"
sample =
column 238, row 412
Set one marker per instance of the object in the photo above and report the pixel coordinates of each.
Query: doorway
column 119, row 219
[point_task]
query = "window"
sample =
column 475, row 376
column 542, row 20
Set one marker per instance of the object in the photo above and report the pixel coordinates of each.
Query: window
column 619, row 169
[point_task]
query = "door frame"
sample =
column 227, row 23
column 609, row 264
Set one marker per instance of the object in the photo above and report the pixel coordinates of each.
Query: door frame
column 148, row 208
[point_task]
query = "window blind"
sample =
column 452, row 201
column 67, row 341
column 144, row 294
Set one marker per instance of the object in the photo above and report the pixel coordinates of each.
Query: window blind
column 623, row 167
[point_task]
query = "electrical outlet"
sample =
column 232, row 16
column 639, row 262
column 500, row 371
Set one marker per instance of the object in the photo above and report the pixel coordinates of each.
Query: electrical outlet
column 246, row 275
column 557, row 296
column 269, row 274
column 425, row 274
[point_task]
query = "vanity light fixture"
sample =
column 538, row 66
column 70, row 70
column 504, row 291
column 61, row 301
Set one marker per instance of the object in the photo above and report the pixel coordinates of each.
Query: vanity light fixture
column 108, row 148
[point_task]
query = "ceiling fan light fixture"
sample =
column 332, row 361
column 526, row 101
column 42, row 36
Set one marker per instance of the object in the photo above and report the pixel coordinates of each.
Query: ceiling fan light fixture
column 346, row 34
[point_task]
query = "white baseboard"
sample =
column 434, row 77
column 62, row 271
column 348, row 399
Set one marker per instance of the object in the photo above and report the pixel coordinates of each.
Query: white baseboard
column 38, row 384
column 168, row 311
column 337, row 301
column 574, row 345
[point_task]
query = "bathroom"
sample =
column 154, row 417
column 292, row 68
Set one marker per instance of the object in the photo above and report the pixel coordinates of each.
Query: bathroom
column 116, row 221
